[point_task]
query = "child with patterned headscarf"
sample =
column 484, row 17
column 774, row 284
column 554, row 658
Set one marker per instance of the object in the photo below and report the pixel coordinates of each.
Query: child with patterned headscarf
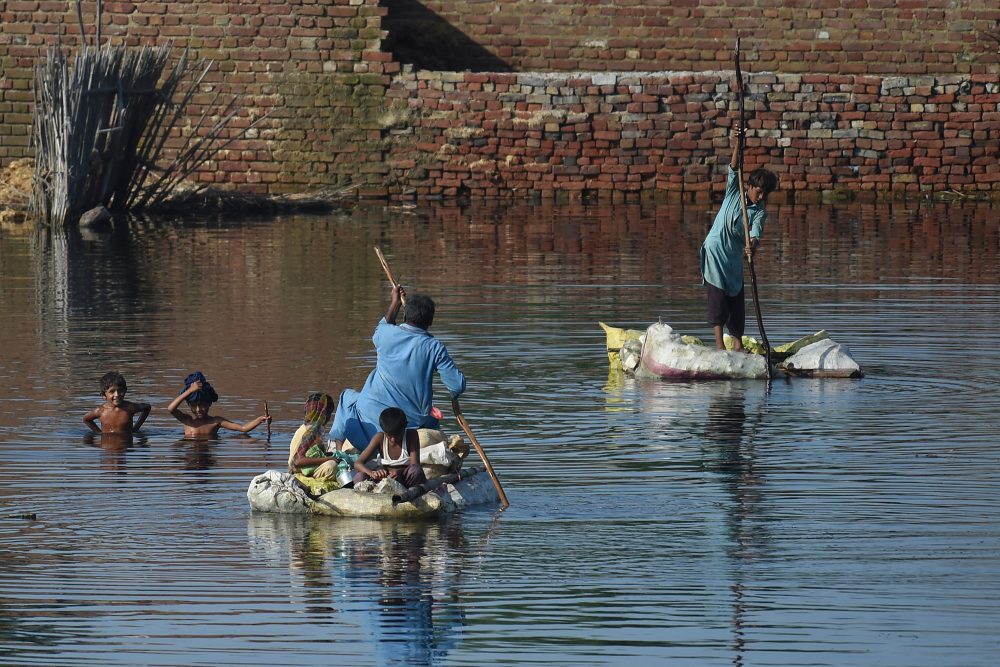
column 306, row 454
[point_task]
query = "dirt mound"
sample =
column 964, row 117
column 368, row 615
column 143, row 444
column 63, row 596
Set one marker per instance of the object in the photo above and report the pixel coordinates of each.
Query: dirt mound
column 15, row 183
column 15, row 189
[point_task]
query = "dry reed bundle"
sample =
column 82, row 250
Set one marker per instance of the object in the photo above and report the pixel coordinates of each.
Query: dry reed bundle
column 101, row 128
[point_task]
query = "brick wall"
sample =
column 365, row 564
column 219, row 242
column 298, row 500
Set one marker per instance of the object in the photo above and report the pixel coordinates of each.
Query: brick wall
column 550, row 135
column 882, row 37
column 876, row 95
column 314, row 67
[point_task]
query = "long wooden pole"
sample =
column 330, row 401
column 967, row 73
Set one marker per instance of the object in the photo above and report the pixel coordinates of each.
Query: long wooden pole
column 743, row 206
column 504, row 503
column 388, row 271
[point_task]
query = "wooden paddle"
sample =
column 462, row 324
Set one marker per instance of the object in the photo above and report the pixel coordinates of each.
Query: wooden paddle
column 388, row 272
column 743, row 206
column 504, row 503
column 268, row 421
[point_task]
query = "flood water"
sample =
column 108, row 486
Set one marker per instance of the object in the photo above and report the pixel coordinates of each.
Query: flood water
column 815, row 522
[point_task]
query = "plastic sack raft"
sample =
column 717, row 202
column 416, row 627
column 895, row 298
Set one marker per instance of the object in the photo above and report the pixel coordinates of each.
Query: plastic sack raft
column 660, row 352
column 280, row 492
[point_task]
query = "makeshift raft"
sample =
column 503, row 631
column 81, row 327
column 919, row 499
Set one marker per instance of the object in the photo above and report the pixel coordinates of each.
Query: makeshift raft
column 660, row 352
column 449, row 488
column 280, row 492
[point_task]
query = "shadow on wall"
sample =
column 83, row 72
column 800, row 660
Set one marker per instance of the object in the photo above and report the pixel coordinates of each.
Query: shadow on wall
column 419, row 37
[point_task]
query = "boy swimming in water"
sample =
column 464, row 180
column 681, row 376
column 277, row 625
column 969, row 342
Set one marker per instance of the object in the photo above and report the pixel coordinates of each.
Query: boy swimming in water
column 116, row 414
column 200, row 395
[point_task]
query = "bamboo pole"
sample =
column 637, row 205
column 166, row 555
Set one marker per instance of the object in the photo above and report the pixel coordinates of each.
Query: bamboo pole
column 743, row 206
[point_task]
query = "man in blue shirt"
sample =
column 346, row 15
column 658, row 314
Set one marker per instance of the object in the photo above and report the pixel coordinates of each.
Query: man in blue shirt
column 722, row 251
column 407, row 357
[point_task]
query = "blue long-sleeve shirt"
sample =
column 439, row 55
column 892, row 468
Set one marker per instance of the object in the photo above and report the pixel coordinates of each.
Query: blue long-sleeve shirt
column 406, row 359
column 722, row 251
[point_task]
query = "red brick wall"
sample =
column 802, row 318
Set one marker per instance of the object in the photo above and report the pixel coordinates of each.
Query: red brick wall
column 565, row 134
column 871, row 95
column 313, row 66
column 882, row 37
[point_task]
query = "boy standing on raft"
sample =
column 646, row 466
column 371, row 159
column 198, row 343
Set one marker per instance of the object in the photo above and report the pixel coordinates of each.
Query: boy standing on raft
column 722, row 251
column 407, row 356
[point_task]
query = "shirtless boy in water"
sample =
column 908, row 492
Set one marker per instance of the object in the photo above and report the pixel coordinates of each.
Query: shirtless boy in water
column 116, row 414
column 200, row 395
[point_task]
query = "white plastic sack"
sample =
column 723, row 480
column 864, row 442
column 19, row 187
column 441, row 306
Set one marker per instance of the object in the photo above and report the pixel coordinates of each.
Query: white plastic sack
column 823, row 358
column 436, row 459
column 275, row 491
column 666, row 355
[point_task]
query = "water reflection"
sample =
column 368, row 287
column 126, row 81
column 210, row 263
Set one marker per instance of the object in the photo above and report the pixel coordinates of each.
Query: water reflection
column 731, row 453
column 84, row 276
column 196, row 455
column 398, row 583
column 114, row 447
column 709, row 431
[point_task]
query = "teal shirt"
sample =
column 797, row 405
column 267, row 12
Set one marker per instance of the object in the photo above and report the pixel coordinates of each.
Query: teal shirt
column 722, row 251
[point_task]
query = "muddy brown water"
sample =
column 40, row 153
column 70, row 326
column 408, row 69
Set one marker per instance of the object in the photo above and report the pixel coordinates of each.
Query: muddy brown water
column 821, row 522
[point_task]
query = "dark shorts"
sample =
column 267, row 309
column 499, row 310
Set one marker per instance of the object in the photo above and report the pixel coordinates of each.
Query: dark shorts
column 726, row 310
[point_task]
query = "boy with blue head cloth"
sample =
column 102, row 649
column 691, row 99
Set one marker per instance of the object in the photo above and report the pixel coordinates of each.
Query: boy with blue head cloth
column 407, row 356
column 200, row 396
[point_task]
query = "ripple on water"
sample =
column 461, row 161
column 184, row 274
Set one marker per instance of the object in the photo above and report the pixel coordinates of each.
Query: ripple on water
column 821, row 522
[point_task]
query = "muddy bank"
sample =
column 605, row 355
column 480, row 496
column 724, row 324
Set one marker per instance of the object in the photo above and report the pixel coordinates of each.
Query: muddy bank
column 15, row 193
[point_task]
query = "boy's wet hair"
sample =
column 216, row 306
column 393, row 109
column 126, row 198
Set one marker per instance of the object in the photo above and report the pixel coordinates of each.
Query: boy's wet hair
column 765, row 179
column 419, row 311
column 113, row 379
column 392, row 421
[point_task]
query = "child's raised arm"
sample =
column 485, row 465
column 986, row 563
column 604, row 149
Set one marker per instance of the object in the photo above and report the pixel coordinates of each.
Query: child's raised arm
column 174, row 407
column 737, row 131
column 243, row 428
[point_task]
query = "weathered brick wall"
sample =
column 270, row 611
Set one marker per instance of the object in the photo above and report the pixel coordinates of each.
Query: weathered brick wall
column 877, row 95
column 882, row 37
column 550, row 135
column 313, row 66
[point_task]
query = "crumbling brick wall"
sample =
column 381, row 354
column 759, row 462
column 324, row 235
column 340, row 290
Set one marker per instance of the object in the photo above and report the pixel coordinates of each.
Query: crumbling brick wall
column 554, row 135
column 880, row 37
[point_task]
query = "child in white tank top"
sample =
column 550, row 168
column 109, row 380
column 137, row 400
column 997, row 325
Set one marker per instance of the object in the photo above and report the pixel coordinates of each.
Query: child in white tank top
column 398, row 450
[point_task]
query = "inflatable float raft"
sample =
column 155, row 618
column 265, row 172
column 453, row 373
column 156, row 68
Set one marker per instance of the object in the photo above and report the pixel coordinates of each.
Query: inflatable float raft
column 660, row 352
